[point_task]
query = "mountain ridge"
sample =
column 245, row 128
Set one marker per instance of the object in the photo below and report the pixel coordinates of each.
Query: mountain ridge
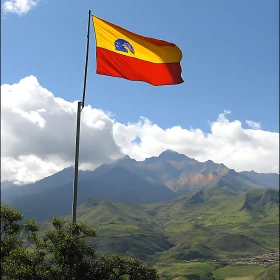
column 154, row 179
column 118, row 184
column 126, row 160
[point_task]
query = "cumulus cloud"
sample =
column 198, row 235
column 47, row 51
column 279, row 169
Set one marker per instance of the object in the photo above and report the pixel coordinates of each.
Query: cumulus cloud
column 38, row 133
column 19, row 7
column 228, row 143
column 38, row 137
column 254, row 125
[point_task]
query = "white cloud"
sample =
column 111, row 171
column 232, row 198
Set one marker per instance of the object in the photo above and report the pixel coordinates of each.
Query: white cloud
column 19, row 7
column 38, row 137
column 30, row 168
column 38, row 133
column 228, row 143
column 254, row 125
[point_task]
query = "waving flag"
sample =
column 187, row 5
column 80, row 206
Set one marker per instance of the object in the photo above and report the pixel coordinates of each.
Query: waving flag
column 121, row 53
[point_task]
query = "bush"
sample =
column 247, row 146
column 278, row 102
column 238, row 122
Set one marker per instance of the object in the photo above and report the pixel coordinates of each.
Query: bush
column 62, row 253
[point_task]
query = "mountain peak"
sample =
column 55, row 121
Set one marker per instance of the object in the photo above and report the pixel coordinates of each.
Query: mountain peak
column 232, row 172
column 209, row 163
column 125, row 158
column 172, row 155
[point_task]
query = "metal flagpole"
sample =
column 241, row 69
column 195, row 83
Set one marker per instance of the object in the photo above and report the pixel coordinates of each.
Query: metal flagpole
column 79, row 110
column 85, row 76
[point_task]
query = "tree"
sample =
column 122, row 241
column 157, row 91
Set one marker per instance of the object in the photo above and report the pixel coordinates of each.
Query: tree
column 116, row 267
column 9, row 230
column 62, row 253
column 16, row 261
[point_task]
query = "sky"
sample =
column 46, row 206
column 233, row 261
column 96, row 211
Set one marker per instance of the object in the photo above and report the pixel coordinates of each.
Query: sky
column 227, row 110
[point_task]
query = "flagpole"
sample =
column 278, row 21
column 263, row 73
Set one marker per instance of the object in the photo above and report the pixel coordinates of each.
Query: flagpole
column 75, row 185
column 85, row 76
column 81, row 105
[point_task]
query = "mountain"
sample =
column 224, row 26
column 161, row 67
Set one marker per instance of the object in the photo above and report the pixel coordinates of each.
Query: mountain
column 63, row 177
column 183, row 174
column 152, row 180
column 166, row 209
column 235, row 182
column 116, row 184
column 270, row 180
column 7, row 184
column 60, row 178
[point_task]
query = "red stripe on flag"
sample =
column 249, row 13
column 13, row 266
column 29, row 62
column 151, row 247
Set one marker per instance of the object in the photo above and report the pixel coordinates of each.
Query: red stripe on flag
column 117, row 65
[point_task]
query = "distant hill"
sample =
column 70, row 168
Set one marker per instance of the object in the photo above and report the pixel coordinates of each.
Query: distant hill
column 270, row 180
column 60, row 178
column 235, row 182
column 116, row 184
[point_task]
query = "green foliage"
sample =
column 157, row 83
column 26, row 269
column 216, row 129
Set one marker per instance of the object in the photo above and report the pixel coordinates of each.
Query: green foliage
column 68, row 246
column 9, row 229
column 22, row 264
column 16, row 261
column 9, row 218
column 62, row 253
column 116, row 267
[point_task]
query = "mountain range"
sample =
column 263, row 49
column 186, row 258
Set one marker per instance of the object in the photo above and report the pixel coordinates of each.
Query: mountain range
column 167, row 210
column 155, row 179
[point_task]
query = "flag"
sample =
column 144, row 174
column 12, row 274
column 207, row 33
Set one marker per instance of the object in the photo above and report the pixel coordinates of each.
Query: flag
column 121, row 53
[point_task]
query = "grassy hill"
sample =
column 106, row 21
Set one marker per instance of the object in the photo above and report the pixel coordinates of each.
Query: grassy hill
column 122, row 227
column 246, row 272
column 221, row 225
column 211, row 224
column 271, row 273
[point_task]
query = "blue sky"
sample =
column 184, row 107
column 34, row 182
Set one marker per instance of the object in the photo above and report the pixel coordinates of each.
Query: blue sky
column 230, row 58
column 230, row 63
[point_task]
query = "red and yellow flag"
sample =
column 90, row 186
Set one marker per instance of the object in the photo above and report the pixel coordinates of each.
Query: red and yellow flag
column 121, row 53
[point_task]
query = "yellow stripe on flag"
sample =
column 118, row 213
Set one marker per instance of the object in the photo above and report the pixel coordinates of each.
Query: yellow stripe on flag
column 144, row 48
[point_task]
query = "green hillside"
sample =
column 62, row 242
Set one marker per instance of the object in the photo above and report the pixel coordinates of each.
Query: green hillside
column 271, row 273
column 226, row 223
column 210, row 224
column 122, row 227
column 246, row 272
